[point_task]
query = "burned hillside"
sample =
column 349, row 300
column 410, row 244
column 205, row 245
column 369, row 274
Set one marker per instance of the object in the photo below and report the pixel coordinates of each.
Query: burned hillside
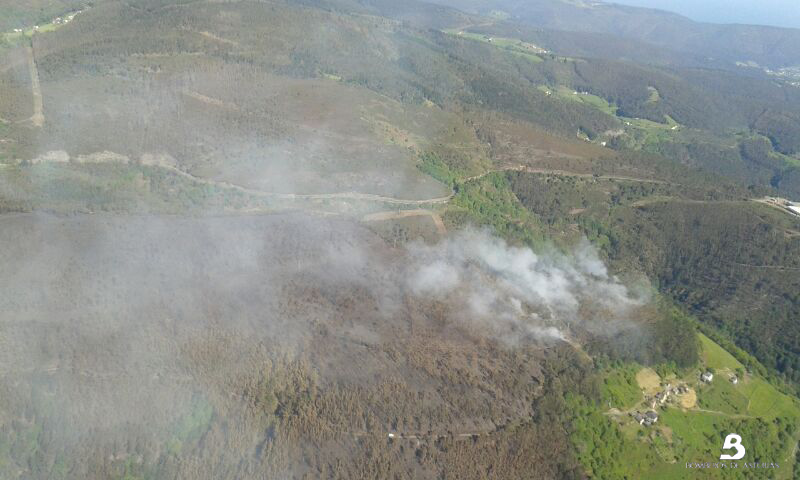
column 238, row 344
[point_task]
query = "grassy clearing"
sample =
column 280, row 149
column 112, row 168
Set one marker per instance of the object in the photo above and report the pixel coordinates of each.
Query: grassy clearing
column 645, row 124
column 593, row 101
column 655, row 96
column 764, row 400
column 648, row 380
column 723, row 396
column 644, row 132
column 717, row 357
column 788, row 160
column 647, row 133
column 514, row 46
column 620, row 388
column 15, row 38
column 752, row 396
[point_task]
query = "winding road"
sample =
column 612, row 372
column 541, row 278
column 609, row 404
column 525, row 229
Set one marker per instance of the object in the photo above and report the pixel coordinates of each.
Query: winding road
column 562, row 173
column 310, row 196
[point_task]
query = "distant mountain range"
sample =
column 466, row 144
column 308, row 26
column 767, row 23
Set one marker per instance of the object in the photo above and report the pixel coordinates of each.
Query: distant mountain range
column 778, row 13
column 771, row 47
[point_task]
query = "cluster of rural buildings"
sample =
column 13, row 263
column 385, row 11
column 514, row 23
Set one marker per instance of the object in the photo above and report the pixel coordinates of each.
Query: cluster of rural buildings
column 669, row 393
column 56, row 21
column 665, row 395
column 64, row 20
column 708, row 377
column 647, row 419
column 650, row 417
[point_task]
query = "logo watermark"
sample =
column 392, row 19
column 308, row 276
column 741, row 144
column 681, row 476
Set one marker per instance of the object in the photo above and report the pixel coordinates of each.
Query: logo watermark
column 732, row 442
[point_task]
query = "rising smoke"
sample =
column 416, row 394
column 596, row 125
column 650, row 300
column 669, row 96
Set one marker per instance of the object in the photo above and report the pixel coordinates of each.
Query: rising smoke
column 517, row 292
column 113, row 328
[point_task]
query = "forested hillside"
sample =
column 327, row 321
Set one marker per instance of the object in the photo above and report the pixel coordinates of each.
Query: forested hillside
column 379, row 239
column 732, row 263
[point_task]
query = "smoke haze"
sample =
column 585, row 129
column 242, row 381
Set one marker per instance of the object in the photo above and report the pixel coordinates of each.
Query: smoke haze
column 116, row 329
column 512, row 289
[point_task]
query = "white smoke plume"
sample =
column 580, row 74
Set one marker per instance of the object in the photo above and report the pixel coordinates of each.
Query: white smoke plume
column 135, row 324
column 516, row 292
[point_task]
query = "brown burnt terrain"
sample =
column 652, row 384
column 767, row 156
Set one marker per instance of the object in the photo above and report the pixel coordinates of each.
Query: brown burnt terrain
column 297, row 332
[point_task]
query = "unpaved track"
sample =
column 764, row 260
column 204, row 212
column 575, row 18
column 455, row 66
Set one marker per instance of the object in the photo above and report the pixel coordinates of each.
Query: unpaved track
column 213, row 37
column 209, row 100
column 38, row 105
column 426, row 436
column 394, row 215
column 317, row 196
column 766, row 267
column 563, row 173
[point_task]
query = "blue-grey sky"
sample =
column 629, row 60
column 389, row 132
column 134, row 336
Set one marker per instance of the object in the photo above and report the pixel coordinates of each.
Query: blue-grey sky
column 783, row 13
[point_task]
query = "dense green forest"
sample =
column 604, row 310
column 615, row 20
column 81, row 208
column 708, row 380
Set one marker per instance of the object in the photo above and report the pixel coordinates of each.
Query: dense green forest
column 732, row 263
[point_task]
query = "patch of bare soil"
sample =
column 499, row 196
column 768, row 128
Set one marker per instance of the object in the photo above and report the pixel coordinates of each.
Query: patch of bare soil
column 393, row 215
column 688, row 399
column 648, row 381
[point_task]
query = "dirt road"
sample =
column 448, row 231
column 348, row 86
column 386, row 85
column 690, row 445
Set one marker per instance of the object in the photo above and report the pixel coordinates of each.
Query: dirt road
column 393, row 215
column 38, row 105
column 564, row 173
column 425, row 436
column 313, row 196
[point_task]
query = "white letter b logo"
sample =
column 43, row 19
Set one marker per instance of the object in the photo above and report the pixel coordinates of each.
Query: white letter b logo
column 733, row 441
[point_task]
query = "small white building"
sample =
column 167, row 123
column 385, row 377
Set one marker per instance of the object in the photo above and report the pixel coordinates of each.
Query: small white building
column 707, row 377
column 647, row 419
column 734, row 379
column 794, row 209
